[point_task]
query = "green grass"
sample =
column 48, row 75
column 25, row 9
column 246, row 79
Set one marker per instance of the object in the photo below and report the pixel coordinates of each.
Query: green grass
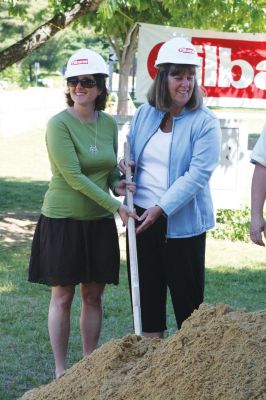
column 24, row 156
column 235, row 275
column 26, row 357
column 21, row 196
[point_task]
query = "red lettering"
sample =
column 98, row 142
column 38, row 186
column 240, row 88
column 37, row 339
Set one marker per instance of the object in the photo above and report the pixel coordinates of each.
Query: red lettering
column 186, row 50
column 235, row 67
column 80, row 61
column 230, row 68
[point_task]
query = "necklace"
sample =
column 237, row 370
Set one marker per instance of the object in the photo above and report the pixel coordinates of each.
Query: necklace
column 93, row 148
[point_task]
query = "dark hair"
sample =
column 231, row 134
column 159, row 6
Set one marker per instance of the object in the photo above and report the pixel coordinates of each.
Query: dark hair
column 100, row 101
column 158, row 95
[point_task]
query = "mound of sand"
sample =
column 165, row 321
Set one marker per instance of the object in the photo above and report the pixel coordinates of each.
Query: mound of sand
column 217, row 355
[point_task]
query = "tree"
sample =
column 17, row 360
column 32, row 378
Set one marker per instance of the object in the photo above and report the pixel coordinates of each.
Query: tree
column 53, row 55
column 16, row 23
column 18, row 20
column 221, row 15
column 117, row 20
column 112, row 20
column 39, row 36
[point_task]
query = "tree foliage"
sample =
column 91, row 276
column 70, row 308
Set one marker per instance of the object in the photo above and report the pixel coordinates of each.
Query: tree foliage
column 44, row 32
column 21, row 19
column 220, row 15
column 116, row 20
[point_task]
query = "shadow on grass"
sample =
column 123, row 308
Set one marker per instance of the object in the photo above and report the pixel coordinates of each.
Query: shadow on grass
column 20, row 205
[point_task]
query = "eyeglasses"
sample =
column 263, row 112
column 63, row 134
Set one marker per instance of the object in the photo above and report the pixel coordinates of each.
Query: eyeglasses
column 85, row 83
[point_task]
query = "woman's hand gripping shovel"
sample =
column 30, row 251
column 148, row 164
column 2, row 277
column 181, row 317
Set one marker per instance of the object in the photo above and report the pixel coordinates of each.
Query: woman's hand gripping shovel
column 132, row 249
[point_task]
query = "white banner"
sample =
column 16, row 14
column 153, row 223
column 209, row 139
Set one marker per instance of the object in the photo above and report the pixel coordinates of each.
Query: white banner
column 233, row 65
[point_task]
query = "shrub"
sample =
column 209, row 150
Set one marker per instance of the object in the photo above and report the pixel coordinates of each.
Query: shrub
column 232, row 225
column 15, row 77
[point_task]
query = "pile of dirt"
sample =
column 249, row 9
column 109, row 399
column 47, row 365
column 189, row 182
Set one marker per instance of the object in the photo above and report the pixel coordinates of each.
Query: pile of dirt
column 217, row 355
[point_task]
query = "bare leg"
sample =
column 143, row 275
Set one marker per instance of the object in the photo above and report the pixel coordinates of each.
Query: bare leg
column 91, row 315
column 153, row 334
column 59, row 324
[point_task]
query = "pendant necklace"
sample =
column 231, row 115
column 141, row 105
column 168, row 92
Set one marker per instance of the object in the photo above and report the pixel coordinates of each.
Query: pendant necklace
column 93, row 148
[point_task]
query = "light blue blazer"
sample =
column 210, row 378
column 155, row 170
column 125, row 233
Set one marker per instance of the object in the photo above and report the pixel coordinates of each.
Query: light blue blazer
column 194, row 154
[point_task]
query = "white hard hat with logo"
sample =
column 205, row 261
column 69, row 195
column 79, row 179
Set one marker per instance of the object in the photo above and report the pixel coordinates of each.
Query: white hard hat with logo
column 177, row 51
column 86, row 62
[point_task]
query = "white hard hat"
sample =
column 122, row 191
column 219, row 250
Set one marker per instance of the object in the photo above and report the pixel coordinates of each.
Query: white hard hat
column 177, row 51
column 86, row 62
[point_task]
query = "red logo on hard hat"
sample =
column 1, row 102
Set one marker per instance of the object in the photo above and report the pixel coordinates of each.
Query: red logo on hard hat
column 186, row 50
column 153, row 56
column 80, row 61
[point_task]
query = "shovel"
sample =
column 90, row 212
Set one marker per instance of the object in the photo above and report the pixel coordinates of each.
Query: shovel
column 132, row 250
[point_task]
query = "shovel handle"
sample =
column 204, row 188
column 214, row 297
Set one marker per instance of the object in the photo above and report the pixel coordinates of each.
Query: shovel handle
column 133, row 259
column 129, row 194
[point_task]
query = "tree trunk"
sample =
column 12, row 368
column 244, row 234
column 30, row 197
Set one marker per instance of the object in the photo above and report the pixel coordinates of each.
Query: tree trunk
column 21, row 49
column 123, row 95
column 125, row 61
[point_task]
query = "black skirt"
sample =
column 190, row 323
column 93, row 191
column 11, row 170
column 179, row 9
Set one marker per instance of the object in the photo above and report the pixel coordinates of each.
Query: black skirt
column 68, row 252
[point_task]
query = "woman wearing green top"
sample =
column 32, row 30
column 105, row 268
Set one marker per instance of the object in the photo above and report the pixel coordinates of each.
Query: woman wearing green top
column 76, row 239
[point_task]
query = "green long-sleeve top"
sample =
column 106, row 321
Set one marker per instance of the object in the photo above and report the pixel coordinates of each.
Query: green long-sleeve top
column 80, row 183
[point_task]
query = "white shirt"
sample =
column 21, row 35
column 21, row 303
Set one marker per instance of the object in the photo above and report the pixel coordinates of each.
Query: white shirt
column 153, row 170
column 259, row 152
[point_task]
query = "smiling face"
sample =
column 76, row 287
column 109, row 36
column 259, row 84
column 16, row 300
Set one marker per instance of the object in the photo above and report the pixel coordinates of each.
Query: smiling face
column 84, row 95
column 181, row 82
